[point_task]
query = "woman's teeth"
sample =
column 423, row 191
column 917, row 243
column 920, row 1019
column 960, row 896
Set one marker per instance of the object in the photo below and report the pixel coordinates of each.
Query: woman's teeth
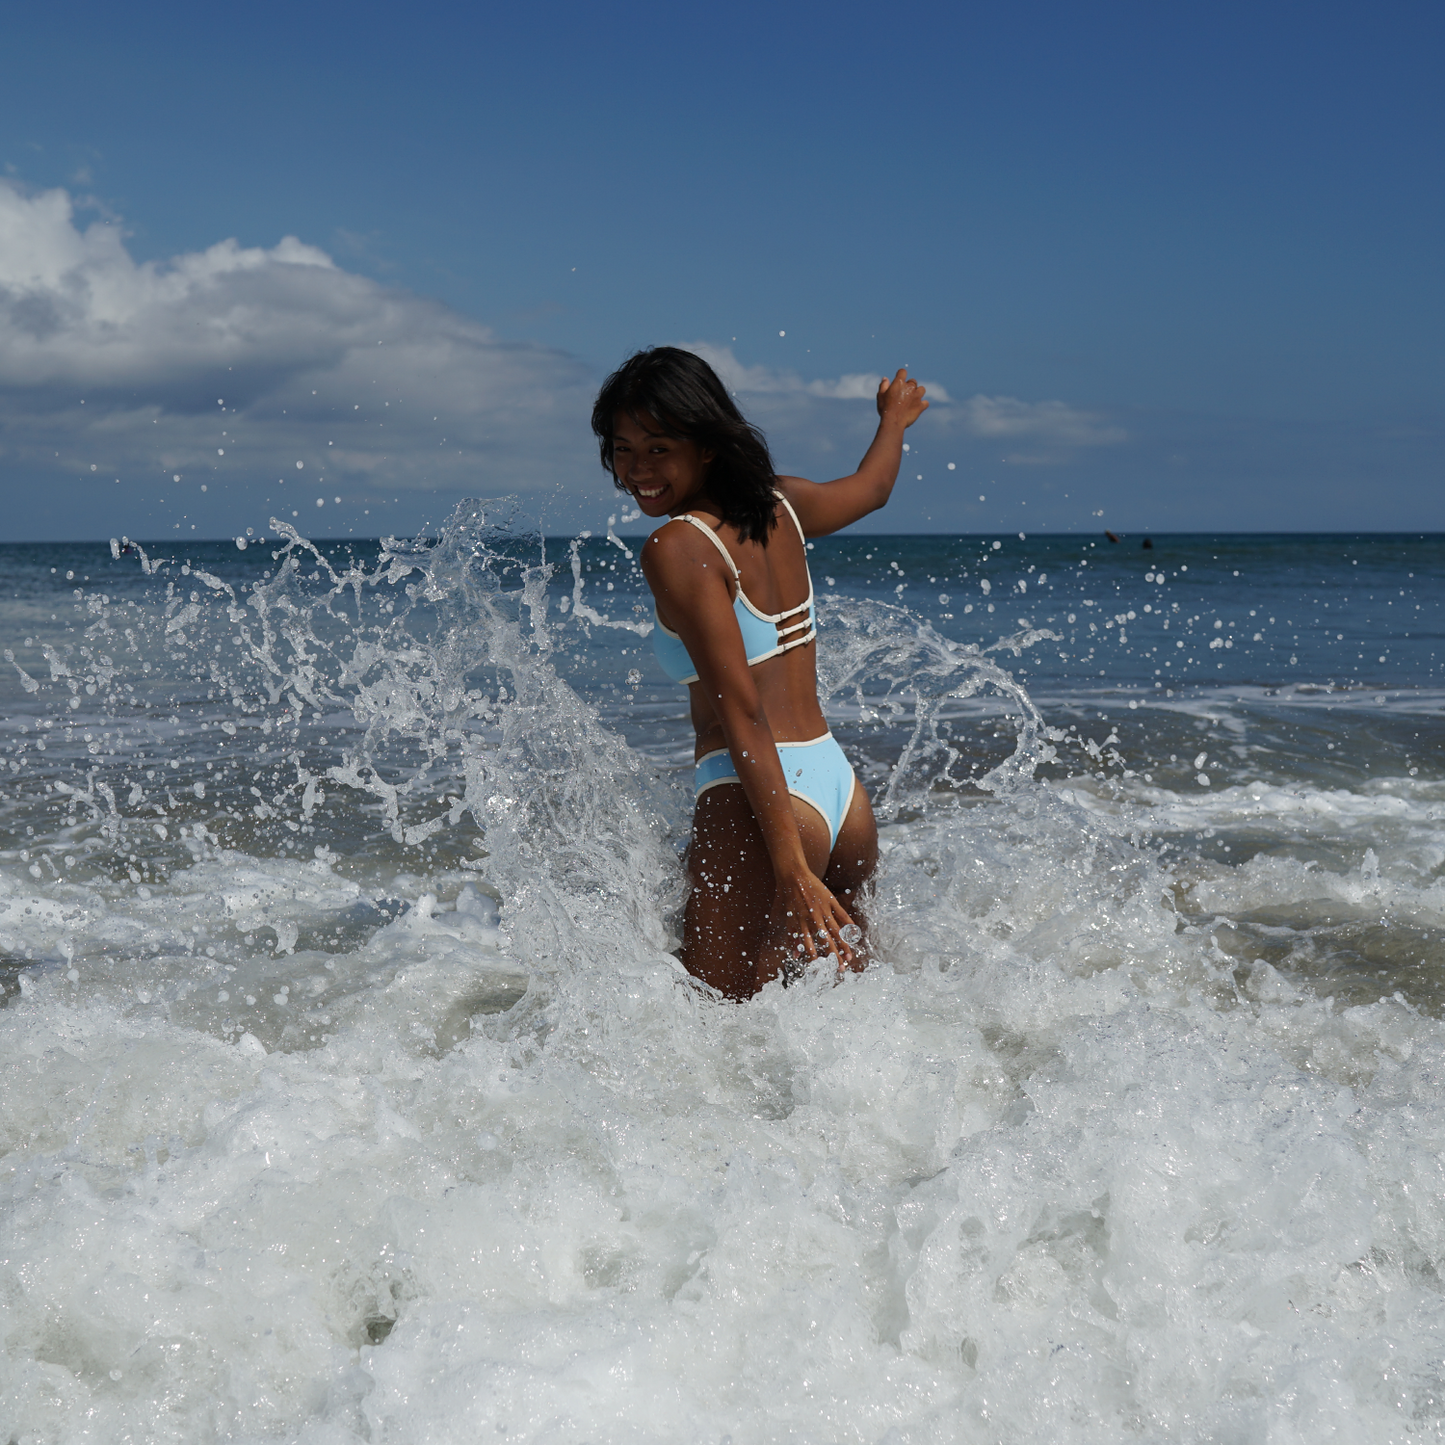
column 649, row 492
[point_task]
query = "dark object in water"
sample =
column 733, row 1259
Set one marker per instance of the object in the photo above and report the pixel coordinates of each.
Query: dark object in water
column 1111, row 536
column 1148, row 542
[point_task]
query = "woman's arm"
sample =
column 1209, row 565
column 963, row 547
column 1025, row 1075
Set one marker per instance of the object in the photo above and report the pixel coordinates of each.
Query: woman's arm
column 830, row 506
column 696, row 595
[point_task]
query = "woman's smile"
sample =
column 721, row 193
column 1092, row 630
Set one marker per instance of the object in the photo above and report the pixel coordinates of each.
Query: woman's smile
column 663, row 473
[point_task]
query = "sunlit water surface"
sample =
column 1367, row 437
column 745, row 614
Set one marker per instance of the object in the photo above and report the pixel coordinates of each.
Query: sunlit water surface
column 349, row 1090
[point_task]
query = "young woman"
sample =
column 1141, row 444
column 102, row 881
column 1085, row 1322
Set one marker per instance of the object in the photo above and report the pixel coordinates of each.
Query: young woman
column 783, row 836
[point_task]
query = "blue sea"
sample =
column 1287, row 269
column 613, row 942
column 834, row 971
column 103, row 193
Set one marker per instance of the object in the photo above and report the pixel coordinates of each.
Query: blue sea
column 350, row 1090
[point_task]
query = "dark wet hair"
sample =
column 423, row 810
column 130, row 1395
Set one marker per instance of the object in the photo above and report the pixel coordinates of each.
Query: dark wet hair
column 681, row 392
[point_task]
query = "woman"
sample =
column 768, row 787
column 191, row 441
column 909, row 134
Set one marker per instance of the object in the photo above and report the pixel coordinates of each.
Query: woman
column 783, row 837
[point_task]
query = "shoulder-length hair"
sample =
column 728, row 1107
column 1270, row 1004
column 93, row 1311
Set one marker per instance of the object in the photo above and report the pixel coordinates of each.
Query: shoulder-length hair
column 683, row 394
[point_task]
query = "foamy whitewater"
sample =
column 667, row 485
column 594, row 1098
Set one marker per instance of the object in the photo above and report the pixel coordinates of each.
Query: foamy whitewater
column 349, row 1090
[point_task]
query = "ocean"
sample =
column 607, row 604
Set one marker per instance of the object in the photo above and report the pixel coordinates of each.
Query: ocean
column 349, row 1090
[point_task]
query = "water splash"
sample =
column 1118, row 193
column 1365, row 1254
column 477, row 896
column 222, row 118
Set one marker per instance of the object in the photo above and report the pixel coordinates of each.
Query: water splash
column 422, row 686
column 896, row 669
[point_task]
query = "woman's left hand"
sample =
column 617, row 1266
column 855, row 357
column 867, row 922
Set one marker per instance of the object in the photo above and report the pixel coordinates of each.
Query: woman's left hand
column 902, row 399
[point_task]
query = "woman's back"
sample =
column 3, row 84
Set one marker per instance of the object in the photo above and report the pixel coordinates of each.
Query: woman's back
column 774, row 582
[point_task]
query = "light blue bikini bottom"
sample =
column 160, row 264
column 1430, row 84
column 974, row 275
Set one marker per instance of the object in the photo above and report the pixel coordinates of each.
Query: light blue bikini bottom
column 817, row 772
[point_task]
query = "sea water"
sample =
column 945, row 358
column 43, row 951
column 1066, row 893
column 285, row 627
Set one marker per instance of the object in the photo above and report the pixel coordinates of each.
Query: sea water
column 350, row 1091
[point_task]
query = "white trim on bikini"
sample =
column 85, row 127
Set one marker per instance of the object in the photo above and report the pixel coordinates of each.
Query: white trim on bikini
column 809, row 622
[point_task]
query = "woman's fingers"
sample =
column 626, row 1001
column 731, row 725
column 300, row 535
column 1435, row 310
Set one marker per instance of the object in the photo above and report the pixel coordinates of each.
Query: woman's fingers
column 811, row 924
column 903, row 394
column 836, row 923
column 802, row 934
column 817, row 925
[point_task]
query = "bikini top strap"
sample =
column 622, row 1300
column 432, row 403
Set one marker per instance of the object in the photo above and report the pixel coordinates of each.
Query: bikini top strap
column 801, row 537
column 712, row 537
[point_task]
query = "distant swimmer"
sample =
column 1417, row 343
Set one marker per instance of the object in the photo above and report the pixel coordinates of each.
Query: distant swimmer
column 783, row 835
column 1111, row 536
column 1148, row 543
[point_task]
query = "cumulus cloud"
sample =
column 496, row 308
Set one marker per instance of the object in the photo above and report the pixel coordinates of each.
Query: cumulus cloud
column 78, row 310
column 795, row 412
column 231, row 364
column 1054, row 423
column 766, row 381
column 1044, row 421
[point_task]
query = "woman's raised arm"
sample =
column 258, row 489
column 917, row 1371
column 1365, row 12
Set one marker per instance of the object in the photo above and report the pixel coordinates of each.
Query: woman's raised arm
column 825, row 507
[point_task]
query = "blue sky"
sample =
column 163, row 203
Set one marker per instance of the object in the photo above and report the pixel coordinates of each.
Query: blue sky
column 1169, row 267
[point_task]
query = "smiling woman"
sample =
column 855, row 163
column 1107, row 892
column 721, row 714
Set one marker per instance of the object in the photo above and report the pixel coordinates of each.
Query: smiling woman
column 783, row 837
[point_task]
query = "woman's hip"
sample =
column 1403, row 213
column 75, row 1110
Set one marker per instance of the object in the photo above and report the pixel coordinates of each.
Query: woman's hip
column 817, row 773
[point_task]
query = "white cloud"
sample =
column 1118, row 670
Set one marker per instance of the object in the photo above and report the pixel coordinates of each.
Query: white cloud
column 121, row 366
column 807, row 433
column 765, row 381
column 1052, row 422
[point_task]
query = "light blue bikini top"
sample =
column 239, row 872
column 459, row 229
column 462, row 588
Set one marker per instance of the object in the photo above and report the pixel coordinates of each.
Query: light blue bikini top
column 764, row 633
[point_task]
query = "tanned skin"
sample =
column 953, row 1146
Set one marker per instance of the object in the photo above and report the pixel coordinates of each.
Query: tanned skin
column 767, row 892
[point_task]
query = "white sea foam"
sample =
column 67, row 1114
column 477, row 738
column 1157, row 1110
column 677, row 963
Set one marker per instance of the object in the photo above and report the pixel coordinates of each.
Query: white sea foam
column 1056, row 1169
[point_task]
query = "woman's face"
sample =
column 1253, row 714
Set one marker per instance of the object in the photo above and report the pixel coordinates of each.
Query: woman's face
column 665, row 474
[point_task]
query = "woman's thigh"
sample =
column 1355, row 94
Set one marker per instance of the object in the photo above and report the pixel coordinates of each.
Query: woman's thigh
column 732, row 887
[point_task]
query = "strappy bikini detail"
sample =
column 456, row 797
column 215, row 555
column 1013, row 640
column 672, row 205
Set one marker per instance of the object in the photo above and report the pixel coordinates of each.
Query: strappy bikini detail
column 765, row 634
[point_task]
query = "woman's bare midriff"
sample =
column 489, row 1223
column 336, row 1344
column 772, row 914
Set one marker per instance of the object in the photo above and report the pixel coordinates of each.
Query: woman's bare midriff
column 788, row 688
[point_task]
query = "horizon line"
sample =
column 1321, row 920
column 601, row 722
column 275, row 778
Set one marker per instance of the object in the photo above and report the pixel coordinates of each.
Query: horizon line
column 591, row 533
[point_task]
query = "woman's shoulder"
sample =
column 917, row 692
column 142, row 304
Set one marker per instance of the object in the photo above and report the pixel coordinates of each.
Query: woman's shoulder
column 680, row 541
column 684, row 530
column 791, row 494
column 665, row 540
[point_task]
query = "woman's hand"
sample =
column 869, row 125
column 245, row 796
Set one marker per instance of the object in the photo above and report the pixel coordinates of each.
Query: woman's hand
column 831, row 506
column 806, row 923
column 901, row 399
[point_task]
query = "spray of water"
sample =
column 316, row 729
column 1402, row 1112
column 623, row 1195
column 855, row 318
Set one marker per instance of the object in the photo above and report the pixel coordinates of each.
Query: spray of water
column 420, row 686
